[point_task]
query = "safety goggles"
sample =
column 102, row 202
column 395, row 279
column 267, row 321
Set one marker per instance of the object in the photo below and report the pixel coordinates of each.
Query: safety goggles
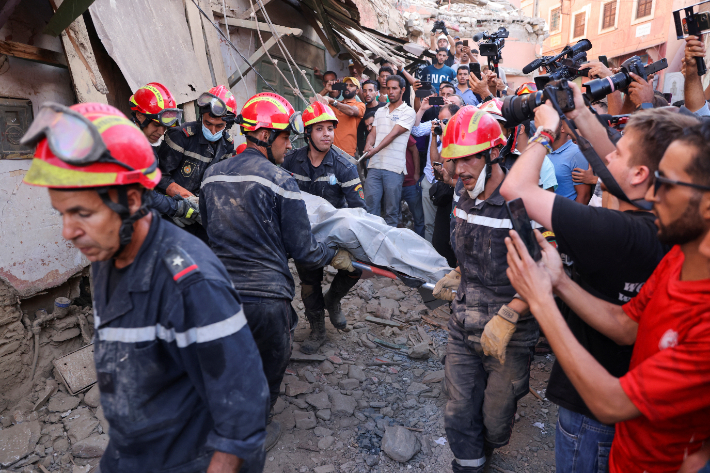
column 295, row 123
column 217, row 106
column 661, row 181
column 167, row 117
column 71, row 136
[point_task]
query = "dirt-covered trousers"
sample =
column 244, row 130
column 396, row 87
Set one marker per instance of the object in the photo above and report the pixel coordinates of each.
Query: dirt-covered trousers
column 312, row 292
column 483, row 397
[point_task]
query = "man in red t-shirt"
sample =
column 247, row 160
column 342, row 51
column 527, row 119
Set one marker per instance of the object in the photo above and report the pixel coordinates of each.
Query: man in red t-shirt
column 661, row 407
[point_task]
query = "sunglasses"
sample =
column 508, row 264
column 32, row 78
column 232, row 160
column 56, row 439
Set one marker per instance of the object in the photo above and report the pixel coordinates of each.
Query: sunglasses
column 664, row 181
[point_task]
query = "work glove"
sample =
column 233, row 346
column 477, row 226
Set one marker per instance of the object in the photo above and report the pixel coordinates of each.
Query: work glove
column 343, row 260
column 188, row 211
column 446, row 286
column 497, row 333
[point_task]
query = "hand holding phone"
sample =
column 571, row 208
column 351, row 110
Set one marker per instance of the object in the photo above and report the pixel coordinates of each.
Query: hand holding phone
column 436, row 101
column 521, row 224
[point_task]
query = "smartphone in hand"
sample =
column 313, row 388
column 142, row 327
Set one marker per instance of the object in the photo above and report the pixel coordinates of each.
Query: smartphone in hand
column 339, row 86
column 521, row 224
column 436, row 100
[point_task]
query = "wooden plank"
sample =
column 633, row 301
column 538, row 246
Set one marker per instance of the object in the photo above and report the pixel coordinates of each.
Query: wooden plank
column 213, row 46
column 377, row 320
column 33, row 53
column 325, row 21
column 236, row 77
column 65, row 15
column 194, row 24
column 282, row 30
column 89, row 85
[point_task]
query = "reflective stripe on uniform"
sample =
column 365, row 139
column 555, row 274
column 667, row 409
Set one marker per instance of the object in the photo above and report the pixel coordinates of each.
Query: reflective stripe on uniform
column 352, row 182
column 489, row 221
column 259, row 180
column 181, row 150
column 204, row 334
column 477, row 462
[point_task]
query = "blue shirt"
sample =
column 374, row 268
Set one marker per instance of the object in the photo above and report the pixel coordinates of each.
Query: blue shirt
column 437, row 76
column 565, row 159
column 468, row 97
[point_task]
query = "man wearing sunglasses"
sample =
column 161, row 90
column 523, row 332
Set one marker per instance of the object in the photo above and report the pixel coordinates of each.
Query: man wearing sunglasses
column 256, row 220
column 614, row 253
column 169, row 325
column 154, row 110
column 187, row 151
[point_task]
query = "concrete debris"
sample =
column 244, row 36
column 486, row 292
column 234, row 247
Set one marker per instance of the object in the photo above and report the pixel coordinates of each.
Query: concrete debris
column 80, row 424
column 90, row 447
column 419, row 351
column 433, row 377
column 92, row 396
column 342, row 404
column 18, row 441
column 62, row 402
column 319, row 400
column 400, row 444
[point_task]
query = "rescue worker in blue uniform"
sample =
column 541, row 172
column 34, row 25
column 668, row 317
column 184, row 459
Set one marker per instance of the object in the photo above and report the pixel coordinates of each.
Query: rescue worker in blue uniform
column 256, row 220
column 491, row 333
column 153, row 110
column 320, row 170
column 180, row 376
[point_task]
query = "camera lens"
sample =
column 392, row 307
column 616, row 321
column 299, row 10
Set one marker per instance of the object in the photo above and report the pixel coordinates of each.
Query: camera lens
column 517, row 109
column 597, row 89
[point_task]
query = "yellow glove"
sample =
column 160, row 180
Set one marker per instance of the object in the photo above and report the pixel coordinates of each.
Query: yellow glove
column 497, row 333
column 446, row 286
column 342, row 260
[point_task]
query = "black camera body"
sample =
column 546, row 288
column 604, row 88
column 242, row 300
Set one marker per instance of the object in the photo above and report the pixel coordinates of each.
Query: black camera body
column 493, row 43
column 438, row 126
column 597, row 89
column 695, row 23
column 563, row 66
column 518, row 109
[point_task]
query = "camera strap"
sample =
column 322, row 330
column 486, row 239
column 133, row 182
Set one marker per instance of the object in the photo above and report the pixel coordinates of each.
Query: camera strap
column 596, row 162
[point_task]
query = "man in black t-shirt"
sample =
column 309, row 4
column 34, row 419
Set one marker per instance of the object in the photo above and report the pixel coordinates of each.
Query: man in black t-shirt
column 370, row 90
column 614, row 253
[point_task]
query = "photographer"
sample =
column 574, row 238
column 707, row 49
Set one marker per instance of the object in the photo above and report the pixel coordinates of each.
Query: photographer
column 597, row 70
column 693, row 88
column 614, row 253
column 423, row 129
column 660, row 407
column 349, row 112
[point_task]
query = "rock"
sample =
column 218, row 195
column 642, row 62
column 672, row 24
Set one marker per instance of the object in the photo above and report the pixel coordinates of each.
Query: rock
column 390, row 293
column 326, row 442
column 49, row 391
column 387, row 412
column 279, row 406
column 417, row 372
column 356, row 372
column 366, row 342
column 93, row 397
column 310, row 377
column 322, row 432
column 90, row 447
column 419, row 351
column 324, row 469
column 390, row 304
column 417, row 388
column 335, row 359
column 372, row 460
column 300, row 403
column 342, row 404
column 399, row 443
column 324, row 414
column 60, row 445
column 433, row 377
column 304, row 420
column 102, row 420
column 80, row 469
column 384, row 313
column 326, row 367
column 319, row 400
column 80, row 424
column 18, row 441
column 294, row 388
column 61, row 402
column 349, row 384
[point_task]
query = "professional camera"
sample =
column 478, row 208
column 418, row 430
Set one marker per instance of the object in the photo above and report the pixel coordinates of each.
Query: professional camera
column 438, row 126
column 695, row 24
column 563, row 66
column 520, row 108
column 494, row 42
column 439, row 25
column 597, row 89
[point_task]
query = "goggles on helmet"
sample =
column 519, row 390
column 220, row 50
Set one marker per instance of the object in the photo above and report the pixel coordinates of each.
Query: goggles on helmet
column 167, row 117
column 295, row 123
column 72, row 137
column 217, row 106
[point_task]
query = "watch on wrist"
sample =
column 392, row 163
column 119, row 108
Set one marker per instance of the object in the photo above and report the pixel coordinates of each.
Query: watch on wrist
column 509, row 314
column 490, row 97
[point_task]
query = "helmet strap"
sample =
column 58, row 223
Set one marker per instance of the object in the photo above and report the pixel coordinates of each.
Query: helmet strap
column 141, row 124
column 307, row 137
column 272, row 137
column 125, row 232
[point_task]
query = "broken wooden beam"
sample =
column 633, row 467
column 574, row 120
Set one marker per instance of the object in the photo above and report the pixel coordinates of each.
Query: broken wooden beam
column 33, row 53
column 377, row 320
column 433, row 322
column 250, row 24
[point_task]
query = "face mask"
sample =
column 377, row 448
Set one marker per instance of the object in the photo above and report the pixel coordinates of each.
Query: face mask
column 480, row 184
column 209, row 136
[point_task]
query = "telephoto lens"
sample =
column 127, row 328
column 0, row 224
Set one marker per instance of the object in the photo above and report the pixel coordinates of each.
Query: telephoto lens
column 520, row 108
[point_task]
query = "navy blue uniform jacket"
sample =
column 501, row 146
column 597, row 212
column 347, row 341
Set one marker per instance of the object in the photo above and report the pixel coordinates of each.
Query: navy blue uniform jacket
column 336, row 179
column 179, row 372
column 256, row 220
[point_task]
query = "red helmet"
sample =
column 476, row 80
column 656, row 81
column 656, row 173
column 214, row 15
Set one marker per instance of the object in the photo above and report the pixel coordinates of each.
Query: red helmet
column 219, row 101
column 240, row 148
column 526, row 88
column 268, row 110
column 156, row 102
column 470, row 132
column 318, row 112
column 493, row 107
column 88, row 145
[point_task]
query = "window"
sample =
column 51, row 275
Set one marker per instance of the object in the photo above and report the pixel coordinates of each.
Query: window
column 15, row 119
column 555, row 19
column 579, row 21
column 644, row 8
column 609, row 15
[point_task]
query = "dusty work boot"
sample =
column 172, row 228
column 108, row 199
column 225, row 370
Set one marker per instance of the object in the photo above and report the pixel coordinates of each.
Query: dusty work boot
column 273, row 434
column 341, row 285
column 317, row 336
column 332, row 305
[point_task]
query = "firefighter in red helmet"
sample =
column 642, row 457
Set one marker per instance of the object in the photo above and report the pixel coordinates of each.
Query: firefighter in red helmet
column 256, row 220
column 165, row 310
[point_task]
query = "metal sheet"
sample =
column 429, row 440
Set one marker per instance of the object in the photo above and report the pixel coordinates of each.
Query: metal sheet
column 157, row 46
column 77, row 369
